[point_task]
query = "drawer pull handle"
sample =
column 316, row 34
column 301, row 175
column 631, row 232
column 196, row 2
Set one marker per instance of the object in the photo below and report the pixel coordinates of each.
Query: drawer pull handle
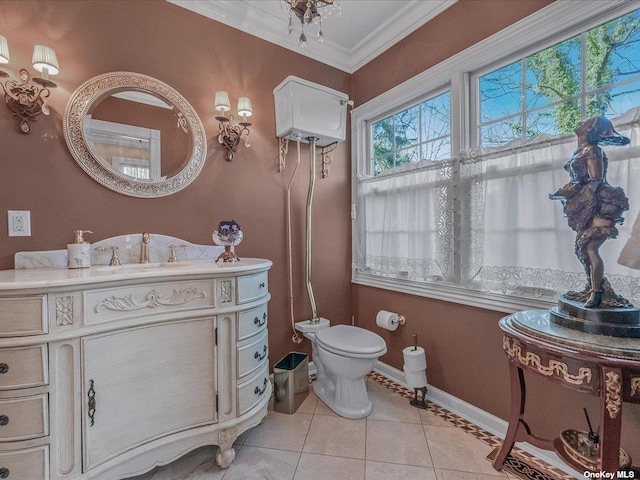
column 4, row 472
column 257, row 391
column 258, row 323
column 262, row 285
column 4, row 368
column 4, row 420
column 91, row 394
column 262, row 356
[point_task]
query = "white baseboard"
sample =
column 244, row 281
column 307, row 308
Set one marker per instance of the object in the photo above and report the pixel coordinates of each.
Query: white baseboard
column 484, row 420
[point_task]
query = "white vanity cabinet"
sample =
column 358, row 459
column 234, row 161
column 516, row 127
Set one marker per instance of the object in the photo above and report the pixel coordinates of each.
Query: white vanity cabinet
column 107, row 373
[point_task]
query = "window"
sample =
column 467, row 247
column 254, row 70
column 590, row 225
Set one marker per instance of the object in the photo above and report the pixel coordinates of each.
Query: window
column 406, row 197
column 421, row 132
column 551, row 91
column 468, row 218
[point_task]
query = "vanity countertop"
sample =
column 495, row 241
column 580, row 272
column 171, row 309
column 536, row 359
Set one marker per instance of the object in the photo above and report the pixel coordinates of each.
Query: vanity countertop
column 60, row 277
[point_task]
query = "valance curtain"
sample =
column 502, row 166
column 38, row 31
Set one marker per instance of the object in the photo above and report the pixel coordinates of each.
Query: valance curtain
column 515, row 240
column 509, row 238
column 404, row 225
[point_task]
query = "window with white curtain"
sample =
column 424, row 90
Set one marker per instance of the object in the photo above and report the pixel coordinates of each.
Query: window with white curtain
column 479, row 227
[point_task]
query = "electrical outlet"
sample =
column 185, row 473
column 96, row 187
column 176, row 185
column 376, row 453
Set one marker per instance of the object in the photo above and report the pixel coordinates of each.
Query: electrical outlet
column 19, row 223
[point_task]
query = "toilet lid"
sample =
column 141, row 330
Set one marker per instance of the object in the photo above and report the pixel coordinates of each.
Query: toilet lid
column 351, row 341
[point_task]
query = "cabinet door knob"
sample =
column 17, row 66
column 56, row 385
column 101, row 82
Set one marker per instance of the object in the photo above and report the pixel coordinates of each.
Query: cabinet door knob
column 4, row 472
column 4, row 420
column 4, row 368
column 262, row 285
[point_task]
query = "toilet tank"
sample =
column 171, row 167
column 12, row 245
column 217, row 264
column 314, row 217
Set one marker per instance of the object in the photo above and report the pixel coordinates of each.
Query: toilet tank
column 306, row 109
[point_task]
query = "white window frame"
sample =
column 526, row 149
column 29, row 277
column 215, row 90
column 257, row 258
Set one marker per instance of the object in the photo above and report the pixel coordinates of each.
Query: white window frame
column 540, row 30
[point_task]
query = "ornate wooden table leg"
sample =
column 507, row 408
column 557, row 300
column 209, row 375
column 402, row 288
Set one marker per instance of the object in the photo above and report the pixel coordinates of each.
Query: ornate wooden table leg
column 611, row 419
column 518, row 395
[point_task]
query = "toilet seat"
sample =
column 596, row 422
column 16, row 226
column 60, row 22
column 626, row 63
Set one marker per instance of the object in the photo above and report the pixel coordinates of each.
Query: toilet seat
column 349, row 341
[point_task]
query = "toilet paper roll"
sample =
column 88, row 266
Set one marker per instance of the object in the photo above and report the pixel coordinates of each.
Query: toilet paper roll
column 387, row 320
column 414, row 360
column 415, row 379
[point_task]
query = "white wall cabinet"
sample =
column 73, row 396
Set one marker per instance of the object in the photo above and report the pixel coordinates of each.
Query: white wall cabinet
column 107, row 373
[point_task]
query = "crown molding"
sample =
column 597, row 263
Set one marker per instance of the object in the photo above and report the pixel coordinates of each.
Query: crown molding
column 405, row 21
column 251, row 18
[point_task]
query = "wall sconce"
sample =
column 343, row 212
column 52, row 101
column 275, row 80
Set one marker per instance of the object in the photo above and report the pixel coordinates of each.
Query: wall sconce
column 230, row 134
column 28, row 99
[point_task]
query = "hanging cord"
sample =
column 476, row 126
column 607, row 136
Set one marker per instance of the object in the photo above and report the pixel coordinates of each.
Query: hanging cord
column 296, row 338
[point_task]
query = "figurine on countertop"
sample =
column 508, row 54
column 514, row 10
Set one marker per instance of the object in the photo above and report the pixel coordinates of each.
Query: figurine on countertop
column 229, row 234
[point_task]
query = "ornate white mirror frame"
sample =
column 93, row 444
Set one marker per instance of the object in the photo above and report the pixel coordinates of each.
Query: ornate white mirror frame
column 97, row 88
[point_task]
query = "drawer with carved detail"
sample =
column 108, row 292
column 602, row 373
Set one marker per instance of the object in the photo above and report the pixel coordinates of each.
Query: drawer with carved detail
column 144, row 300
column 24, row 418
column 252, row 354
column 252, row 287
column 252, row 391
column 251, row 322
column 23, row 367
column 27, row 464
column 23, row 316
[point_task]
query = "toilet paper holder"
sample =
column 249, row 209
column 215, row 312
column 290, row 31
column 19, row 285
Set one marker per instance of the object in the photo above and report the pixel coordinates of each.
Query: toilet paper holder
column 389, row 320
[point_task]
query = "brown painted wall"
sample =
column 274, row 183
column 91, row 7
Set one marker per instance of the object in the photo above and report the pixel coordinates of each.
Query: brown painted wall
column 196, row 56
column 464, row 344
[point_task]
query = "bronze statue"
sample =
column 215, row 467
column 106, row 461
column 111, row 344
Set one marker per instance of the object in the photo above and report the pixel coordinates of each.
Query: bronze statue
column 593, row 209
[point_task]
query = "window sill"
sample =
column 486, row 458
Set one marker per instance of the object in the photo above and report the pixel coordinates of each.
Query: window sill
column 456, row 294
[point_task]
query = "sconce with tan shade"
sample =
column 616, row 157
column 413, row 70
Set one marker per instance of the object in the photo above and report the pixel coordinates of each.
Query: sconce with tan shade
column 28, row 98
column 230, row 133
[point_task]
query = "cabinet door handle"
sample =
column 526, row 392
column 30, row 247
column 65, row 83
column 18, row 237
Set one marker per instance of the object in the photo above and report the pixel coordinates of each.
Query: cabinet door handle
column 91, row 394
column 4, row 420
column 258, row 323
column 262, row 356
column 257, row 391
column 4, row 472
column 4, row 368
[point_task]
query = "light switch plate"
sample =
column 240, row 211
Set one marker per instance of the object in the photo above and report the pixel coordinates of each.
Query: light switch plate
column 19, row 223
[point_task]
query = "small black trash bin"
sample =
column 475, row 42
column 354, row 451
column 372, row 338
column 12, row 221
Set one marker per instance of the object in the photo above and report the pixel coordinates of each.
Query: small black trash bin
column 291, row 382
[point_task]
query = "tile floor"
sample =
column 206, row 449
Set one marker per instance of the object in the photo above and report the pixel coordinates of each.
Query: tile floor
column 397, row 441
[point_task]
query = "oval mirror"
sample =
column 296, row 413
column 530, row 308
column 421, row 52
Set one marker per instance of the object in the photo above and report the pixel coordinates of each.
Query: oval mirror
column 134, row 134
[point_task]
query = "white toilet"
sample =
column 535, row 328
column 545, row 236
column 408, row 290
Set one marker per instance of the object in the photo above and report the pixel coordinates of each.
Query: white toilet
column 343, row 355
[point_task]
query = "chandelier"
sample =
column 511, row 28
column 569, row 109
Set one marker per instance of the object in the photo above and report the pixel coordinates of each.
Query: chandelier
column 310, row 11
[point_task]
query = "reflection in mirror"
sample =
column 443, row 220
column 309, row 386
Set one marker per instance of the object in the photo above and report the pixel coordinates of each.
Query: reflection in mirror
column 130, row 150
column 136, row 116
column 137, row 135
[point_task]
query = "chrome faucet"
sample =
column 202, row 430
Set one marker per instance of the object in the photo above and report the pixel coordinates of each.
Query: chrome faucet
column 144, row 250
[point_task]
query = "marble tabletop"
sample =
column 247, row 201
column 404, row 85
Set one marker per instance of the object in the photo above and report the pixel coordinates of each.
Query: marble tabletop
column 537, row 323
column 59, row 277
column 44, row 269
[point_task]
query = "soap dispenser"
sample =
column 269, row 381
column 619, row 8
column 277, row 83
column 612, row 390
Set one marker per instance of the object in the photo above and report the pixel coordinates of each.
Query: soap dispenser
column 79, row 252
